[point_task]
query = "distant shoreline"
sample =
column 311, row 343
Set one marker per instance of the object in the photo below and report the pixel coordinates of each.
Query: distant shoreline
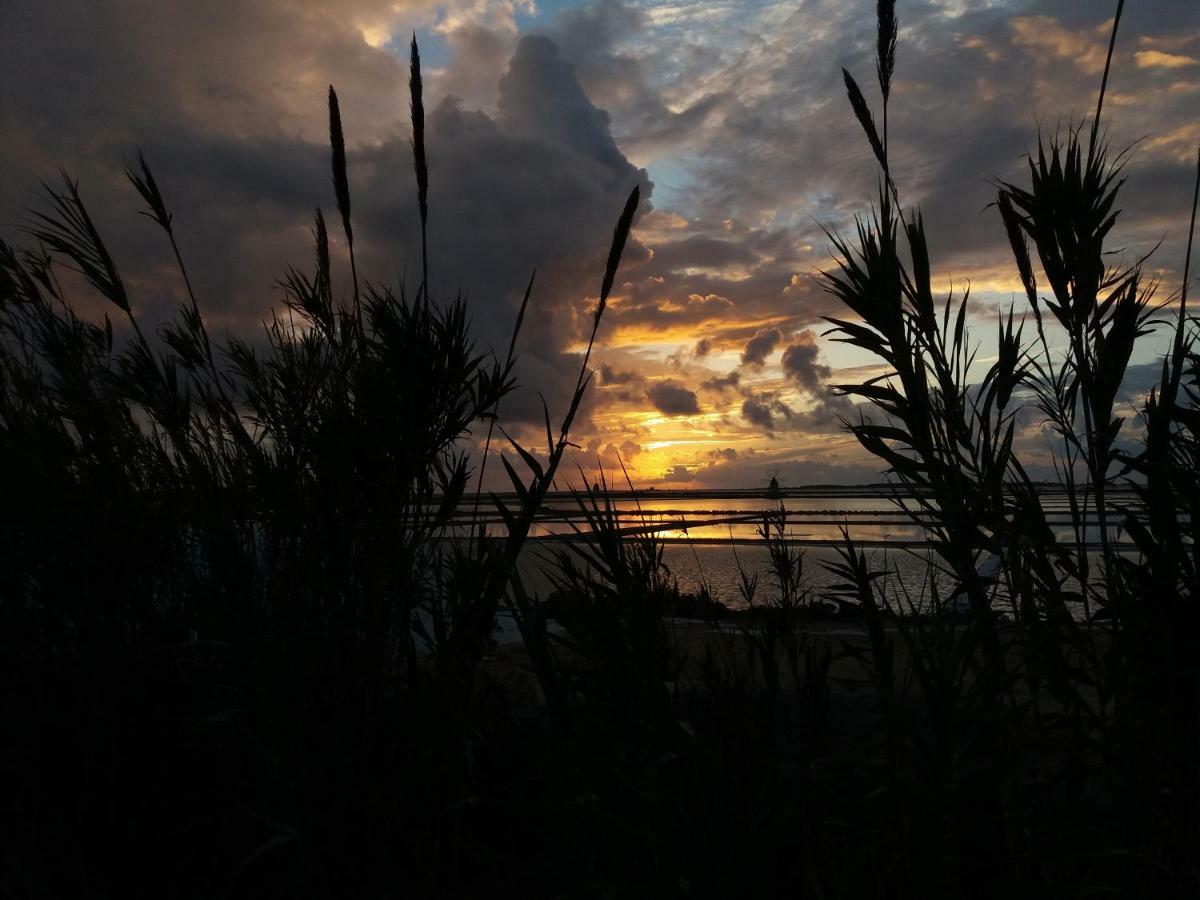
column 832, row 491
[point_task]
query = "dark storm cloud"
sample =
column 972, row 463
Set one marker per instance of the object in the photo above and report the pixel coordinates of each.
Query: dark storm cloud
column 768, row 411
column 758, row 412
column 480, row 55
column 673, row 399
column 759, row 347
column 541, row 97
column 611, row 376
column 722, row 383
column 230, row 109
column 801, row 363
column 701, row 251
column 537, row 187
column 591, row 36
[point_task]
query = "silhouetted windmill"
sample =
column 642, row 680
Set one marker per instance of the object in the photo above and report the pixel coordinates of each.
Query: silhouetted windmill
column 773, row 486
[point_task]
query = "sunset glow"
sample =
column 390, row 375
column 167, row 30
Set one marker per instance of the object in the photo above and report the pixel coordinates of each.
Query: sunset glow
column 711, row 366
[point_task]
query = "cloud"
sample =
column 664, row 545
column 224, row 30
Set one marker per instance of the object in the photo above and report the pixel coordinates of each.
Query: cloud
column 234, row 121
column 800, row 363
column 1045, row 33
column 678, row 473
column 768, row 411
column 541, row 97
column 611, row 376
column 672, row 398
column 596, row 36
column 538, row 125
column 1155, row 59
column 610, row 456
column 703, row 252
column 759, row 347
column 722, row 383
column 757, row 470
column 757, row 411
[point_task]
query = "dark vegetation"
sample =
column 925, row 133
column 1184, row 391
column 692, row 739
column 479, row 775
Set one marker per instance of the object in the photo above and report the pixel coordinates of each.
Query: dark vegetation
column 239, row 658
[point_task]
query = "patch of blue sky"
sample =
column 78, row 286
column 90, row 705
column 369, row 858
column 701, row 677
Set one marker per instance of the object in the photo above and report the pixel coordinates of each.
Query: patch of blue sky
column 435, row 50
column 545, row 11
column 673, row 184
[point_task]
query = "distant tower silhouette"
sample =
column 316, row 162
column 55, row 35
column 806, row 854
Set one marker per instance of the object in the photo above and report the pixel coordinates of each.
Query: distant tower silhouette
column 773, row 487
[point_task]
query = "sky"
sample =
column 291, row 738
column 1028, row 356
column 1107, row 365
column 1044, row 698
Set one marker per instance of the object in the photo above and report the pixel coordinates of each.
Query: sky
column 711, row 367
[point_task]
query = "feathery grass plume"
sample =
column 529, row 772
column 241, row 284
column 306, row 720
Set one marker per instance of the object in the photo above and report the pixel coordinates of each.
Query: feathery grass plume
column 341, row 182
column 885, row 46
column 620, row 234
column 17, row 283
column 146, row 185
column 69, row 231
column 324, row 280
column 1020, row 249
column 143, row 181
column 341, row 189
column 321, row 237
column 417, row 109
column 862, row 112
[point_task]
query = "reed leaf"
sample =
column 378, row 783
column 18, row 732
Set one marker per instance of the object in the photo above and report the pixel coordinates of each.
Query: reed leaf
column 1112, row 43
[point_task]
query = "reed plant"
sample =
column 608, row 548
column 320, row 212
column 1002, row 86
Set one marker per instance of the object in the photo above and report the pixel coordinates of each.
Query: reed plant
column 220, row 556
column 991, row 692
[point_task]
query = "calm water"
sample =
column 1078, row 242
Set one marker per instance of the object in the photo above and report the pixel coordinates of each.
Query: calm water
column 717, row 566
column 707, row 533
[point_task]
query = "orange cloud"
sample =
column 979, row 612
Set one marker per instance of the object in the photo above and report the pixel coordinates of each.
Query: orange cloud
column 1086, row 50
column 1179, row 143
column 982, row 44
column 1156, row 59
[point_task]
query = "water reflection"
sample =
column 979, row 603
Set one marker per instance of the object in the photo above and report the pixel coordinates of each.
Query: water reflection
column 702, row 532
column 813, row 516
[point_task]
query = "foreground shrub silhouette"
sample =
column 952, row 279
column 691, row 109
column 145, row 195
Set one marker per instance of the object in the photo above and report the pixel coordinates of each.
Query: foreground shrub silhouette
column 1089, row 660
column 213, row 558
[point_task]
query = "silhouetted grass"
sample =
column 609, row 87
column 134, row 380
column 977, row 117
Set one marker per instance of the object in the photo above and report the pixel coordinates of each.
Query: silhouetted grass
column 245, row 652
column 1052, row 721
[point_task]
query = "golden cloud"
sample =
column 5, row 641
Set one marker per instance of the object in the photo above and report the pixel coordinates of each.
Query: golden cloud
column 1156, row 59
column 1086, row 50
